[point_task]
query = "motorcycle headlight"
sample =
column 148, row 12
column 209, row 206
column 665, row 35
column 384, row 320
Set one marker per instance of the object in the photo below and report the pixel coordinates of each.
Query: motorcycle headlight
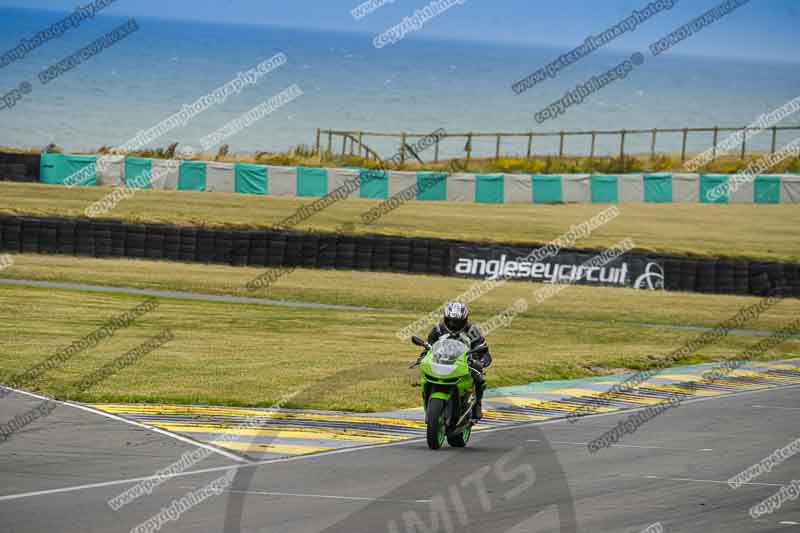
column 442, row 370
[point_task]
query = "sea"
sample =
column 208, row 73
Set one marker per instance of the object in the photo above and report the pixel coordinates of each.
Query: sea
column 417, row 85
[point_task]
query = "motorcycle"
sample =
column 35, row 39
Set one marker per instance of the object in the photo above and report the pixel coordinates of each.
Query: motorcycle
column 448, row 391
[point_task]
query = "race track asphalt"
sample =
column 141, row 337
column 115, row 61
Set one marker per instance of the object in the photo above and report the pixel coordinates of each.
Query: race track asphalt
column 58, row 473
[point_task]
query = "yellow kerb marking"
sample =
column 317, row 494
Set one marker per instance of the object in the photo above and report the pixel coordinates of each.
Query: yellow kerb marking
column 279, row 432
column 244, row 412
column 289, row 449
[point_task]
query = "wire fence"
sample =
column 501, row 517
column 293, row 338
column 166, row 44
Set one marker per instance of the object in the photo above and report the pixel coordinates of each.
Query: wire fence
column 596, row 143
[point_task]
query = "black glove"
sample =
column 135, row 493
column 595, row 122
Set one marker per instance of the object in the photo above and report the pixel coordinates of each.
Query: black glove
column 477, row 364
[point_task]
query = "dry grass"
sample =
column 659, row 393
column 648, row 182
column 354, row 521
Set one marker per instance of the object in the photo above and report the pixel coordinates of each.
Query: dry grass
column 736, row 230
column 243, row 354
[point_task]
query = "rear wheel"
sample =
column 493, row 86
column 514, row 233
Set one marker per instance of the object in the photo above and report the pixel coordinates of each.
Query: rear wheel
column 434, row 417
column 459, row 440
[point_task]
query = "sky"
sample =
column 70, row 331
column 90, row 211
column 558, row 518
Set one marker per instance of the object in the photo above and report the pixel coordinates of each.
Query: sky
column 760, row 30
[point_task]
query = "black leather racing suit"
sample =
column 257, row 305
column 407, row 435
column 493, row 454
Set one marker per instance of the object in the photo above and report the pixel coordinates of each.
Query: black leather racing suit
column 472, row 337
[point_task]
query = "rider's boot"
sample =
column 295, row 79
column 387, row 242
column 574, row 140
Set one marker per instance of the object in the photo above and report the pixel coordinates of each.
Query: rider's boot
column 477, row 410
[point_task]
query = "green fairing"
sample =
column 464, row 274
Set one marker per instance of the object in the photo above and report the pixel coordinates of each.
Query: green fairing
column 456, row 391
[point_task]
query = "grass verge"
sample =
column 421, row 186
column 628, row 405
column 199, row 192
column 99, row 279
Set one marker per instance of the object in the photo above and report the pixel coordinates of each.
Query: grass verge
column 252, row 355
column 731, row 231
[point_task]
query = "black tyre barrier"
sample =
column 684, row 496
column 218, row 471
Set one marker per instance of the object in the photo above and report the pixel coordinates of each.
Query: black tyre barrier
column 20, row 167
column 380, row 253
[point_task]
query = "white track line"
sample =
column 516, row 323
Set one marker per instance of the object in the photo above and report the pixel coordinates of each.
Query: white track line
column 318, row 496
column 692, row 480
column 313, row 456
column 776, row 407
column 627, row 446
column 160, row 431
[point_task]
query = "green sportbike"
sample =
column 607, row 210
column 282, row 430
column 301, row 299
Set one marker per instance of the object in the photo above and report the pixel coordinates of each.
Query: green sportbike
column 448, row 391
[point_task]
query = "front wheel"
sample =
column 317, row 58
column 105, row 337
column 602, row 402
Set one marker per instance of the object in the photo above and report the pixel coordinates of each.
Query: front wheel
column 434, row 418
column 459, row 440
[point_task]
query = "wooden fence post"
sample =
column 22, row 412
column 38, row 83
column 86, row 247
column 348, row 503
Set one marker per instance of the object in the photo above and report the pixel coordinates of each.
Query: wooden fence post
column 622, row 145
column 436, row 150
column 360, row 143
column 774, row 138
column 744, row 142
column 468, row 147
column 403, row 148
column 683, row 148
column 330, row 144
column 497, row 148
column 714, row 144
column 317, row 147
column 530, row 144
column 594, row 141
column 561, row 146
column 653, row 144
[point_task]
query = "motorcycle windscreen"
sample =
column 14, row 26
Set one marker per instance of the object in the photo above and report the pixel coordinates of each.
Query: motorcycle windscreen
column 447, row 351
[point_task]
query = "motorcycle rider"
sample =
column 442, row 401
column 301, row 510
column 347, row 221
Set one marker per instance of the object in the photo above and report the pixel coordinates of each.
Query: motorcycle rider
column 456, row 325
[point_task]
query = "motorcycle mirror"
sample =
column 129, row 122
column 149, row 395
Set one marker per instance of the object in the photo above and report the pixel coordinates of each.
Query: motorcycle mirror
column 419, row 342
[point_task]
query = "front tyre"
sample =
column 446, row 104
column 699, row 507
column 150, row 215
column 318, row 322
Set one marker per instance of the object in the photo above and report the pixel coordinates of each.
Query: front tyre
column 460, row 440
column 434, row 418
